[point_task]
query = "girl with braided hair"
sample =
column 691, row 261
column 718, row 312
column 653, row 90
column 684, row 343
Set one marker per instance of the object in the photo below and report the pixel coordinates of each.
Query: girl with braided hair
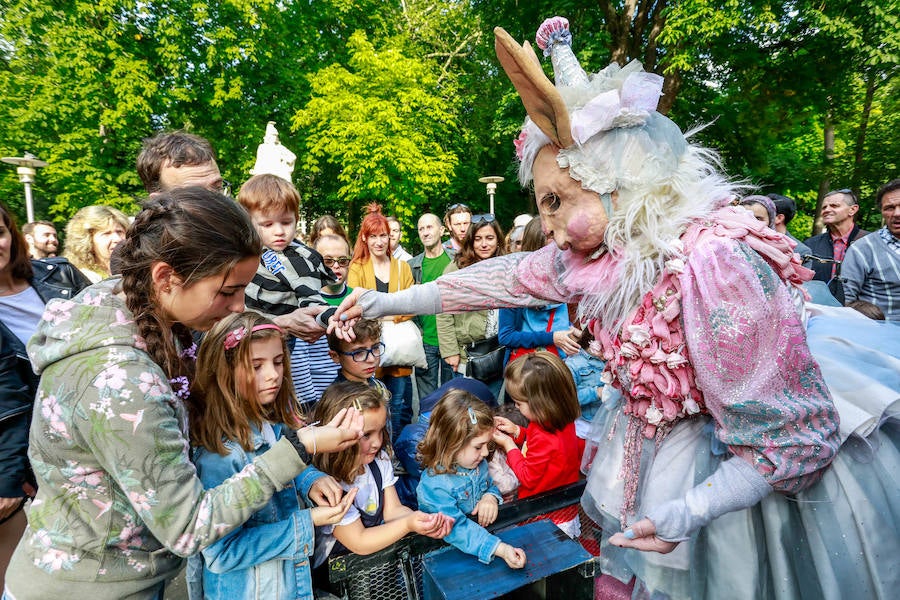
column 119, row 502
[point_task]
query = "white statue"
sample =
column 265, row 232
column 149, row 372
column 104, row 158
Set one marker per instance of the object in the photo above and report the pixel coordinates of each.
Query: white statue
column 272, row 157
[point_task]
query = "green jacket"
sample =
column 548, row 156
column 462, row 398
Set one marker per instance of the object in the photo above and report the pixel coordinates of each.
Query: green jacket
column 118, row 498
column 455, row 331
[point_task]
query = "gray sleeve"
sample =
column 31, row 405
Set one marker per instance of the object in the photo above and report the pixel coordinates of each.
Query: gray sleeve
column 854, row 270
column 734, row 485
column 422, row 299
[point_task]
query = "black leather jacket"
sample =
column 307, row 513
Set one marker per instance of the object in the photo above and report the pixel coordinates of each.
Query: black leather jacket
column 53, row 278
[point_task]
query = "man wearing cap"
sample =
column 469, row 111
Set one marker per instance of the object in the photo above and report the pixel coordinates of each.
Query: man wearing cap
column 871, row 269
column 838, row 209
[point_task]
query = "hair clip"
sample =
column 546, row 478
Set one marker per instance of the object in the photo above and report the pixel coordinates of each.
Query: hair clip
column 473, row 419
column 357, row 404
column 235, row 336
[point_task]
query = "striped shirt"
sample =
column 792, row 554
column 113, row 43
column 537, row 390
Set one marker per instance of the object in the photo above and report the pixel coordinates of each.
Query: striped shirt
column 288, row 280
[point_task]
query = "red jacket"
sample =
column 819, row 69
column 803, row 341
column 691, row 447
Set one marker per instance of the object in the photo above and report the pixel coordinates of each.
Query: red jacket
column 547, row 461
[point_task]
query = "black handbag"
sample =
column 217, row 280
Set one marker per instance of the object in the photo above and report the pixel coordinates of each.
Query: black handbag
column 485, row 359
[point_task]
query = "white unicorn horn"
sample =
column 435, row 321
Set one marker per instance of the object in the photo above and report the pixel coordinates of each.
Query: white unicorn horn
column 555, row 39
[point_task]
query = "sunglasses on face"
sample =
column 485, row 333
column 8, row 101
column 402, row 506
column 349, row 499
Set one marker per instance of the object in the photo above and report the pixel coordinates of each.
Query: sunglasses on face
column 485, row 218
column 342, row 261
column 362, row 354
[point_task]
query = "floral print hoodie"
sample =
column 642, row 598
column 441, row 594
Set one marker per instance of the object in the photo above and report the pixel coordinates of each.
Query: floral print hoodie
column 118, row 498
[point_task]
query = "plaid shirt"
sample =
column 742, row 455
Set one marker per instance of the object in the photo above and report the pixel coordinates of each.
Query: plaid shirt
column 871, row 272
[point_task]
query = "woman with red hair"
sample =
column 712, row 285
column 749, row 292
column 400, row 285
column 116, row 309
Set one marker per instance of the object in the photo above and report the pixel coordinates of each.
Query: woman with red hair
column 374, row 268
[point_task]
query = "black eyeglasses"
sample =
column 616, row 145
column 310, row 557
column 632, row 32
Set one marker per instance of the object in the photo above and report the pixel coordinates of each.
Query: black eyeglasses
column 485, row 218
column 362, row 354
column 342, row 261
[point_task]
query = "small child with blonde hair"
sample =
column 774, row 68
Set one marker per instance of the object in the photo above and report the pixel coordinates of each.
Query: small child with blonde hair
column 455, row 478
column 376, row 518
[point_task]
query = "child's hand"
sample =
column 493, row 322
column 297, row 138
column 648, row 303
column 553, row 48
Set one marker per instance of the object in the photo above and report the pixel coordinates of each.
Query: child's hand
column 506, row 426
column 332, row 515
column 514, row 557
column 486, row 510
column 435, row 525
column 325, row 491
column 341, row 432
column 503, row 440
column 347, row 314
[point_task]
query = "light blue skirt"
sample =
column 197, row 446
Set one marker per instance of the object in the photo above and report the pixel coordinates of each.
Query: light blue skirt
column 838, row 539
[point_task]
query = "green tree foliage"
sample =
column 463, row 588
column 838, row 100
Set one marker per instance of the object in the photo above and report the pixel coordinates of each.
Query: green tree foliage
column 404, row 102
column 380, row 126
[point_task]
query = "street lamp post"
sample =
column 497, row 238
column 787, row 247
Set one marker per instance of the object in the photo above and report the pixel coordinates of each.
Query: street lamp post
column 26, row 168
column 491, row 181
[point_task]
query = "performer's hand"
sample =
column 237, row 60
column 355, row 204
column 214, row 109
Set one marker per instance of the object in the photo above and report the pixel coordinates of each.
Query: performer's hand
column 642, row 536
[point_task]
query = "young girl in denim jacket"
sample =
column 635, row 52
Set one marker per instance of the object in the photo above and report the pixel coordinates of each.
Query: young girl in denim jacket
column 241, row 400
column 546, row 454
column 455, row 479
column 376, row 518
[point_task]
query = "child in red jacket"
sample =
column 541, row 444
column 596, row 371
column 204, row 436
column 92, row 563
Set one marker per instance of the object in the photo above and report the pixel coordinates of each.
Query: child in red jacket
column 543, row 389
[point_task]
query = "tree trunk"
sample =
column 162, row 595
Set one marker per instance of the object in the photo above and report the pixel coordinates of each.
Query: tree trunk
column 859, row 153
column 827, row 167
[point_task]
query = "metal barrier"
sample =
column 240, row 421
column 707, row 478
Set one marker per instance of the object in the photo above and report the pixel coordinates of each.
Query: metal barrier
column 396, row 572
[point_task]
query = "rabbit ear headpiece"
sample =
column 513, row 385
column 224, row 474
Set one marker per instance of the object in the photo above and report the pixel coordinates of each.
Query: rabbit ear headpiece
column 605, row 124
column 610, row 137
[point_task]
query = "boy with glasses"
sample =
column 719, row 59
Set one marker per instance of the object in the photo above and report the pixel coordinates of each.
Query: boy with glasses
column 359, row 359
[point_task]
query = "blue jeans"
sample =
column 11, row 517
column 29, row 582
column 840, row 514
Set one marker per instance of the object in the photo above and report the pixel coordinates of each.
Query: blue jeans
column 401, row 402
column 438, row 373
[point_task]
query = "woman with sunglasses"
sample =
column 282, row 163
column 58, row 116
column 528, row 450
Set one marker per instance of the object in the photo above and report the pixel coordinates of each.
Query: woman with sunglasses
column 374, row 268
column 483, row 240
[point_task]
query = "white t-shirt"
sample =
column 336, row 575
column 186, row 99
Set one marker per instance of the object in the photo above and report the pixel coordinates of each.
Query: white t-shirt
column 22, row 312
column 366, row 501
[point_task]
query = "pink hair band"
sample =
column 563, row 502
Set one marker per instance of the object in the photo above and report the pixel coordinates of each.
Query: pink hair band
column 235, row 336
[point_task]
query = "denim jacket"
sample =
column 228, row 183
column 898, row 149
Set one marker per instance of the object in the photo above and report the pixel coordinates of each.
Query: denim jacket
column 586, row 369
column 268, row 556
column 456, row 495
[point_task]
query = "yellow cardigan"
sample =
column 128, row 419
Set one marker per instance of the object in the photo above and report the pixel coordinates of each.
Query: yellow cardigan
column 362, row 275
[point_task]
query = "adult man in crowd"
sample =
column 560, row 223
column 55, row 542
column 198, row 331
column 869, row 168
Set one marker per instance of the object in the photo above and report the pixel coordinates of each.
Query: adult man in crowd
column 396, row 234
column 457, row 221
column 838, row 209
column 178, row 159
column 785, row 209
column 41, row 238
column 871, row 268
column 428, row 266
